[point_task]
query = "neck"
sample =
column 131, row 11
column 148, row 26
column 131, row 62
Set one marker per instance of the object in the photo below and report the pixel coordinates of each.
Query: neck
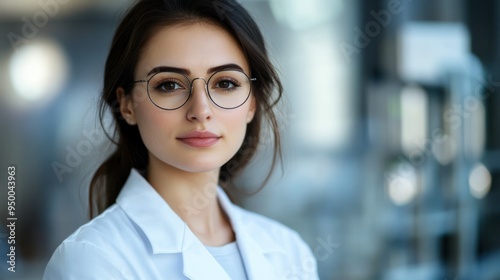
column 193, row 197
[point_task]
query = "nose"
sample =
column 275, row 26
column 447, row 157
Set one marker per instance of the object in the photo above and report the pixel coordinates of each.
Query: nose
column 199, row 107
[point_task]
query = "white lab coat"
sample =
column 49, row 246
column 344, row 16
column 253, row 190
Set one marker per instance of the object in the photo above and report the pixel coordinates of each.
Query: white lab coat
column 140, row 237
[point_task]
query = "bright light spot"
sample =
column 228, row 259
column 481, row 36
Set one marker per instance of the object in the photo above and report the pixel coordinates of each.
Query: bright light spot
column 321, row 94
column 38, row 71
column 479, row 181
column 475, row 121
column 432, row 41
column 402, row 191
column 402, row 184
column 444, row 148
column 414, row 119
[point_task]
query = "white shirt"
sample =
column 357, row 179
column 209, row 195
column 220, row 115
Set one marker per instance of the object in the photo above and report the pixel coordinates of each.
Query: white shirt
column 141, row 237
column 229, row 257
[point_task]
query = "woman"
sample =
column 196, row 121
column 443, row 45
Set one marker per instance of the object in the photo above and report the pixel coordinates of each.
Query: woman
column 191, row 83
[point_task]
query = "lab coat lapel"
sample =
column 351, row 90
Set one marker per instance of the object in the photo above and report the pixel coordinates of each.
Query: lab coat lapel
column 257, row 265
column 165, row 231
column 199, row 264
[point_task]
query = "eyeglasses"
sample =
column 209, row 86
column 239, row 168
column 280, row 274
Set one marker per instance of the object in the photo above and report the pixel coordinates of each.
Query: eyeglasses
column 228, row 89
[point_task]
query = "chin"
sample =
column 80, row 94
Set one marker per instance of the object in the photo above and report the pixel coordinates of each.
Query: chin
column 200, row 166
column 195, row 163
column 200, row 169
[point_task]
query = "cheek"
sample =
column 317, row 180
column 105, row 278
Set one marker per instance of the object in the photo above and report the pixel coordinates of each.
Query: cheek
column 155, row 125
column 236, row 125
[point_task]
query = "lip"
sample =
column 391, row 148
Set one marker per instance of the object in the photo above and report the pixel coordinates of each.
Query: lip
column 199, row 139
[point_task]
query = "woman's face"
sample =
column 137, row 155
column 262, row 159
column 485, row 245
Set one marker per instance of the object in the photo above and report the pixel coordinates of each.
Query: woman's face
column 199, row 136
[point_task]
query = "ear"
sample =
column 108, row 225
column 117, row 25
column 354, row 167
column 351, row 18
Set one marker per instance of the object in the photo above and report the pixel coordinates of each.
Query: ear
column 126, row 106
column 252, row 109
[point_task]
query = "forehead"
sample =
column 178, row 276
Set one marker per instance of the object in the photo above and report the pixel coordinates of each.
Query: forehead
column 196, row 47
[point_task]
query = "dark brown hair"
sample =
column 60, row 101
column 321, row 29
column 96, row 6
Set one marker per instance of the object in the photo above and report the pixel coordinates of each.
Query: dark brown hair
column 141, row 22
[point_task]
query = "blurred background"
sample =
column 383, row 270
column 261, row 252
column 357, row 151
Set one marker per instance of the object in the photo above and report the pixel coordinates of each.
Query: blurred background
column 392, row 151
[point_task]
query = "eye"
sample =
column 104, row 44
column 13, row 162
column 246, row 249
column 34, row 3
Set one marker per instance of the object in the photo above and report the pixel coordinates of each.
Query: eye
column 227, row 83
column 168, row 86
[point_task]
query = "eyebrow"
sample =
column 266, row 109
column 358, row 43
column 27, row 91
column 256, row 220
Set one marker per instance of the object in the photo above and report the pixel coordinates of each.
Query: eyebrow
column 230, row 66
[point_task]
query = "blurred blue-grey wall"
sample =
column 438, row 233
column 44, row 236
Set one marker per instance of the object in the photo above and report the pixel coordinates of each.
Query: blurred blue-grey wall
column 391, row 149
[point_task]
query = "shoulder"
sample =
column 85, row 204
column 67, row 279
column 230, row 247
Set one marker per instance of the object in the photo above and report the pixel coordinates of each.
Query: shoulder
column 92, row 249
column 78, row 260
column 108, row 226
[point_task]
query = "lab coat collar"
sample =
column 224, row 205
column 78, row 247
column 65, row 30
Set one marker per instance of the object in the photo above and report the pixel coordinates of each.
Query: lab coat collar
column 164, row 230
column 167, row 233
column 252, row 251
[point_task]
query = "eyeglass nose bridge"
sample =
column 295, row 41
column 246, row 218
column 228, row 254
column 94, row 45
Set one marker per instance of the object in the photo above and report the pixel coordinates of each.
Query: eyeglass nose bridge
column 191, row 87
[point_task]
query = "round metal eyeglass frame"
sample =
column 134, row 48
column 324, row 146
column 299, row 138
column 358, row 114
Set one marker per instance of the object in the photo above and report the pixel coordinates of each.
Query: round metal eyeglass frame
column 250, row 80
